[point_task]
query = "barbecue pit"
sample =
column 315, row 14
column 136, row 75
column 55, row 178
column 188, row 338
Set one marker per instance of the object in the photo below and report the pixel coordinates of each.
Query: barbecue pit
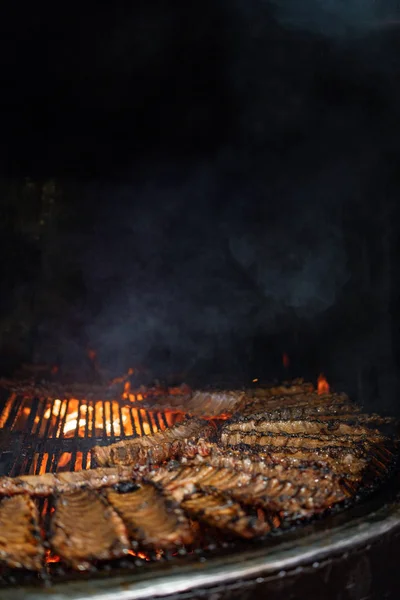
column 41, row 433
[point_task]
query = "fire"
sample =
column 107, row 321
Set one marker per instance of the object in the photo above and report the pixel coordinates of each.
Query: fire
column 51, row 558
column 141, row 555
column 323, row 385
column 89, row 418
column 285, row 360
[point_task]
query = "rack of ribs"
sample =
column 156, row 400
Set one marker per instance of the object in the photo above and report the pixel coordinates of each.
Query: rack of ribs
column 156, row 448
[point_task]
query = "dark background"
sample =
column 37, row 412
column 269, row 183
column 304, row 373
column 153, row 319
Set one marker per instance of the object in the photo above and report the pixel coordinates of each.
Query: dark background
column 198, row 188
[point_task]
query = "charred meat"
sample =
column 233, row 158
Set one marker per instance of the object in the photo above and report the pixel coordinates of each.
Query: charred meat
column 152, row 518
column 315, row 442
column 55, row 483
column 20, row 543
column 268, row 461
column 153, row 449
column 200, row 403
column 267, row 403
column 223, row 513
column 85, row 528
column 333, row 427
column 313, row 492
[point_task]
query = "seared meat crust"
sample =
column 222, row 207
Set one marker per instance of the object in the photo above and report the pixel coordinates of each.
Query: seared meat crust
column 20, row 543
column 223, row 513
column 153, row 449
column 85, row 528
column 56, row 483
column 153, row 519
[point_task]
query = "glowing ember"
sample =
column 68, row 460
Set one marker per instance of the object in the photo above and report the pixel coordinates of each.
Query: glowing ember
column 51, row 558
column 141, row 555
column 65, row 458
column 285, row 360
column 323, row 385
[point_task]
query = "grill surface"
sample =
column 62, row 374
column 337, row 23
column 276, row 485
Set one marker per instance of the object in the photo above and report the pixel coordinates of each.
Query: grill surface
column 39, row 435
column 44, row 435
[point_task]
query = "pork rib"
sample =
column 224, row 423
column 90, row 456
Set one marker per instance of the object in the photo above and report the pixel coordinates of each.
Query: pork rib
column 153, row 449
column 223, row 513
column 262, row 402
column 200, row 403
column 318, row 441
column 309, row 494
column 55, row 483
column 152, row 519
column 85, row 528
column 20, row 543
column 262, row 424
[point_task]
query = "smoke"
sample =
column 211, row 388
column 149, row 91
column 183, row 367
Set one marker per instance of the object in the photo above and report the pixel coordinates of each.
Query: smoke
column 335, row 17
column 187, row 267
column 191, row 255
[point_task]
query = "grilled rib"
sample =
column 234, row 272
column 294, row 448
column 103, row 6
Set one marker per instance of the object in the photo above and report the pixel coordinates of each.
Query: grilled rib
column 266, row 403
column 315, row 491
column 199, row 403
column 298, row 472
column 332, row 411
column 20, row 543
column 223, row 513
column 316, row 442
column 295, row 387
column 53, row 483
column 152, row 519
column 340, row 461
column 260, row 424
column 349, row 413
column 153, row 449
column 84, row 528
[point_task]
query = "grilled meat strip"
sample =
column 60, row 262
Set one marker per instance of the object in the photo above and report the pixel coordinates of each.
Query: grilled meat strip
column 271, row 403
column 20, row 543
column 344, row 461
column 260, row 423
column 200, row 403
column 52, row 483
column 299, row 473
column 349, row 413
column 153, row 519
column 347, row 461
column 85, row 528
column 221, row 512
column 152, row 449
column 295, row 387
column 316, row 442
column 331, row 411
column 339, row 461
column 312, row 493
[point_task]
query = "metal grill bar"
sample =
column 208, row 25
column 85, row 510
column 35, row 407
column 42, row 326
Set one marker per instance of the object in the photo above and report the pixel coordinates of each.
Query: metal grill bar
column 43, row 435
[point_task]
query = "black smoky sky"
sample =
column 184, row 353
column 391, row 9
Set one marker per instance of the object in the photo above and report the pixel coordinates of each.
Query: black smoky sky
column 218, row 147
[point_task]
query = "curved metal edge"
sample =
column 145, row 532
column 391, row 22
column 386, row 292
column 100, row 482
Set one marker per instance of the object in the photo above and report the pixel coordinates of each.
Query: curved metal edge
column 262, row 563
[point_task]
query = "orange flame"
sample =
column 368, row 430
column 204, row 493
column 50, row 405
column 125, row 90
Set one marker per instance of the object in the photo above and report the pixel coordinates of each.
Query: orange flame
column 141, row 555
column 323, row 385
column 51, row 558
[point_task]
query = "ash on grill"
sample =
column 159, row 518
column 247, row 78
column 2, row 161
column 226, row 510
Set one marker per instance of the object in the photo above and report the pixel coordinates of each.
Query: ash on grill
column 171, row 483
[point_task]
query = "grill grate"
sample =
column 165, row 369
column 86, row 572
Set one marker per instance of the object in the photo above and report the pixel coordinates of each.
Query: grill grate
column 46, row 435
